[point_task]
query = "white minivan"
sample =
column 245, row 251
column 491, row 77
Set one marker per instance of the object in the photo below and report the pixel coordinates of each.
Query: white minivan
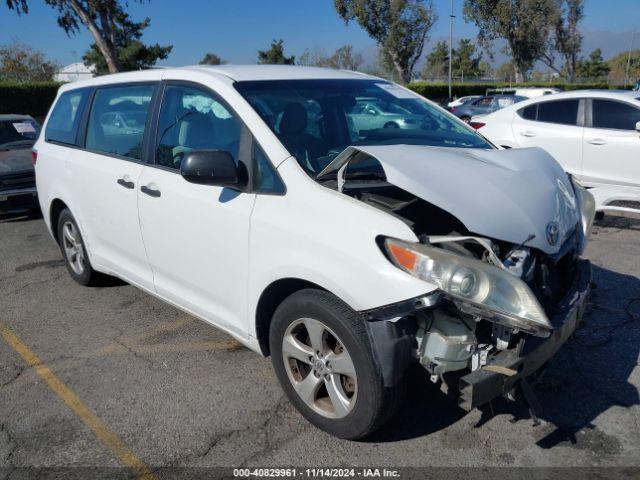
column 244, row 196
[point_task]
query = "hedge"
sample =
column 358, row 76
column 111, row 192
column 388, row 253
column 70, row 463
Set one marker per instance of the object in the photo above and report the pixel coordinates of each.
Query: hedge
column 27, row 98
column 440, row 91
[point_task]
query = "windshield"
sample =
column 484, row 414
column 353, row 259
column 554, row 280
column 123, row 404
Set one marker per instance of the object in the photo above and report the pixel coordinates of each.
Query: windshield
column 317, row 119
column 18, row 133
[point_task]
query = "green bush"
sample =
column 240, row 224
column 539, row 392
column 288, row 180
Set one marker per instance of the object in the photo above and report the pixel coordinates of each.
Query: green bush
column 29, row 98
column 440, row 91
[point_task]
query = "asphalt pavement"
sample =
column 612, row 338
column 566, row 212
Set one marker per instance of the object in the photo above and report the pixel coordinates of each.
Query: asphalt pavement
column 112, row 377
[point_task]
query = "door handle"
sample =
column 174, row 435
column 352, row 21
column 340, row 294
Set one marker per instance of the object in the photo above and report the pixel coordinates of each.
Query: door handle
column 150, row 191
column 597, row 142
column 528, row 134
column 126, row 184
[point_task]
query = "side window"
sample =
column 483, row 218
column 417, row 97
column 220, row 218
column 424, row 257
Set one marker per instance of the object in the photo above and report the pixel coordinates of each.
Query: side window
column 266, row 179
column 194, row 119
column 117, row 120
column 530, row 112
column 64, row 119
column 615, row 115
column 564, row 112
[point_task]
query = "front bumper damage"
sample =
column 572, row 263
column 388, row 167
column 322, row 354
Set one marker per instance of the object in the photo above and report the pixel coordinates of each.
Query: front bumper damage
column 504, row 370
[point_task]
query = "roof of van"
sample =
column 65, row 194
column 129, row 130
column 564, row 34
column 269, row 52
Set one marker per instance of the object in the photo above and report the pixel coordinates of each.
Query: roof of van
column 235, row 72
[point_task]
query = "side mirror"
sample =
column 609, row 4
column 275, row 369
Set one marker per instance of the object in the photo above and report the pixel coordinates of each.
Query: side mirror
column 211, row 167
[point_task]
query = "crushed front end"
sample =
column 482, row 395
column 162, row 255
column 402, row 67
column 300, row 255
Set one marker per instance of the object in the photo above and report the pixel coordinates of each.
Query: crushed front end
column 505, row 260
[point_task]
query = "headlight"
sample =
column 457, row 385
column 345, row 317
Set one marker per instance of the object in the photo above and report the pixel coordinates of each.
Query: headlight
column 482, row 289
column 587, row 205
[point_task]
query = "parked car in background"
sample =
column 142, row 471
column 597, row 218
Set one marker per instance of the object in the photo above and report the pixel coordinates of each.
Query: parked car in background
column 484, row 106
column 18, row 193
column 594, row 134
column 524, row 92
column 462, row 100
column 372, row 114
column 247, row 201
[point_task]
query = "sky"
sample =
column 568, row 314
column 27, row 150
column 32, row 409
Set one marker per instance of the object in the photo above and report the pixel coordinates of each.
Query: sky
column 237, row 29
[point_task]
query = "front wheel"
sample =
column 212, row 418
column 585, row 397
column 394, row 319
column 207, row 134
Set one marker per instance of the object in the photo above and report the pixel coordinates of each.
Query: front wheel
column 322, row 355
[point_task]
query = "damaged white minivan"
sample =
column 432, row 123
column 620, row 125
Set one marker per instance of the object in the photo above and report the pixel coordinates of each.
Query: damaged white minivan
column 337, row 222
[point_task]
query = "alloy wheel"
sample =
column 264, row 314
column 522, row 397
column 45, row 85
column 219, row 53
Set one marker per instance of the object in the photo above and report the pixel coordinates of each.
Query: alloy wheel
column 320, row 368
column 73, row 249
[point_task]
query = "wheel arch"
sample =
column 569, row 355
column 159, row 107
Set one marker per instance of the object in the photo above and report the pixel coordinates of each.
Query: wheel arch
column 272, row 296
column 57, row 206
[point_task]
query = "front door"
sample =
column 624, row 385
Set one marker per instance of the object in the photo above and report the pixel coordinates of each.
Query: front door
column 197, row 236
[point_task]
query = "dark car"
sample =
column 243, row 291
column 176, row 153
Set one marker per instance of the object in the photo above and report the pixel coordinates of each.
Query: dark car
column 18, row 193
column 485, row 105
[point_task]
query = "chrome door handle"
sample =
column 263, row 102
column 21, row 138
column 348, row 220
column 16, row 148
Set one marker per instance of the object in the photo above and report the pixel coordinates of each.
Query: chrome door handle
column 597, row 142
column 528, row 134
column 126, row 184
column 150, row 191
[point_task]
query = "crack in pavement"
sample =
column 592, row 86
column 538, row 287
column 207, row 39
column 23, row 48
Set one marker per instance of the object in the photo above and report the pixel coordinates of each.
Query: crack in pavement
column 21, row 369
column 264, row 426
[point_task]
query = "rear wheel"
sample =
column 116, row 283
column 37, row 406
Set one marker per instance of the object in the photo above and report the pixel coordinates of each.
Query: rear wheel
column 466, row 119
column 74, row 251
column 391, row 125
column 324, row 360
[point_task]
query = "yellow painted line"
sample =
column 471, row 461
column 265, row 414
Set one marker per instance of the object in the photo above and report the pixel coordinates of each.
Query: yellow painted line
column 85, row 414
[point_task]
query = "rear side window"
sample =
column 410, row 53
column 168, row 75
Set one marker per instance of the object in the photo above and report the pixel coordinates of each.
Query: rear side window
column 530, row 112
column 615, row 115
column 64, row 119
column 117, row 120
column 564, row 112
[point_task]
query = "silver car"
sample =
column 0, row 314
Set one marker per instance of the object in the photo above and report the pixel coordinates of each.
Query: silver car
column 485, row 105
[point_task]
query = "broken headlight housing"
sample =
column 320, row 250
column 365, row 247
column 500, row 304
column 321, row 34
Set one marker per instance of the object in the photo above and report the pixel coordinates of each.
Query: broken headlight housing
column 587, row 206
column 477, row 287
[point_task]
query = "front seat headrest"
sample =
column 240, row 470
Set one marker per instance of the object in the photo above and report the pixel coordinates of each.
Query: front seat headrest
column 294, row 119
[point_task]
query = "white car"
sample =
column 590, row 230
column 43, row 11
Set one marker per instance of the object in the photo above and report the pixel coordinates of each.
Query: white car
column 594, row 134
column 244, row 199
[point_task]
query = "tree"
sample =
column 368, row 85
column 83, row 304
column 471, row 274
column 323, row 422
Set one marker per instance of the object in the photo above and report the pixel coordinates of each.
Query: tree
column 594, row 68
column 618, row 66
column 131, row 53
column 399, row 27
column 21, row 63
column 466, row 61
column 107, row 22
column 567, row 39
column 524, row 24
column 275, row 55
column 506, row 72
column 343, row 58
column 437, row 64
column 212, row 59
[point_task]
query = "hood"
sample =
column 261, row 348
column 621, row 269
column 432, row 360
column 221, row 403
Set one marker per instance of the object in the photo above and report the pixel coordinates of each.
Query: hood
column 15, row 161
column 502, row 194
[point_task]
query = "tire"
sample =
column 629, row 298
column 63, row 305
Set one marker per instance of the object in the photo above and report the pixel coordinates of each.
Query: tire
column 391, row 125
column 466, row 119
column 74, row 251
column 346, row 406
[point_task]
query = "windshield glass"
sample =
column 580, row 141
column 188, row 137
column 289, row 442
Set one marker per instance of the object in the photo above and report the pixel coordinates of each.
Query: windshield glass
column 18, row 133
column 317, row 119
